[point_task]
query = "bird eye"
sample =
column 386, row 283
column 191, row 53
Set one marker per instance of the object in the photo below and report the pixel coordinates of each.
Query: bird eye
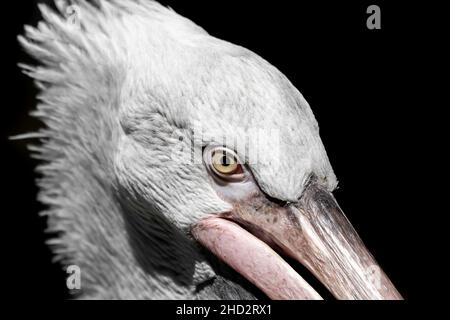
column 224, row 163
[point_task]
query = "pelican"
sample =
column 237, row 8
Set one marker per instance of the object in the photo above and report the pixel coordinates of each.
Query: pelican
column 176, row 165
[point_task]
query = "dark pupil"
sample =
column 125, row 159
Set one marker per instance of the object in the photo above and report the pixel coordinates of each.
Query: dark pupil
column 225, row 161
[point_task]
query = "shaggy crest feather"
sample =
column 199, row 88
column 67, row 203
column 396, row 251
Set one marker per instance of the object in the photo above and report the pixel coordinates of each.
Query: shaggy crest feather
column 82, row 68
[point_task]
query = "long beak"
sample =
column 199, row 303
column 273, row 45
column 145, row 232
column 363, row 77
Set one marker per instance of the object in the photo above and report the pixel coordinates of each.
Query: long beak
column 314, row 231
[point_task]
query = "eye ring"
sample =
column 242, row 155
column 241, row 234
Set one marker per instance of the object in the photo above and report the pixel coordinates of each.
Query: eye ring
column 223, row 163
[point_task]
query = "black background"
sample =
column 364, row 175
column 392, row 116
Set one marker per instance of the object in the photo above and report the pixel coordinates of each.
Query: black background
column 360, row 83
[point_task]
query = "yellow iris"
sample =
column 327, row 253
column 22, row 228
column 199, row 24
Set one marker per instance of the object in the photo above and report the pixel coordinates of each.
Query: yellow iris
column 224, row 163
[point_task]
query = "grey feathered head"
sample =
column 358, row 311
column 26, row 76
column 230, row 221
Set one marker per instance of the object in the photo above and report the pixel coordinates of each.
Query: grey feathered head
column 158, row 138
